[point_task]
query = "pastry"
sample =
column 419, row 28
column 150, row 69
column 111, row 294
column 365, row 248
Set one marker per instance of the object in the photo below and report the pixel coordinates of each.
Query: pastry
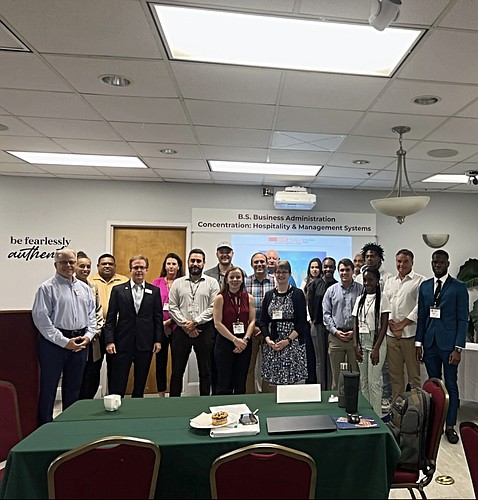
column 219, row 418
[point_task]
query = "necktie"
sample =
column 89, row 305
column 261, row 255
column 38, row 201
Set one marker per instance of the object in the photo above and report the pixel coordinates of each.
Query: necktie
column 437, row 292
column 137, row 296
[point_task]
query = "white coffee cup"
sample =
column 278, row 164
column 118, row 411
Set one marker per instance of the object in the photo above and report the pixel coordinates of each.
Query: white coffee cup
column 112, row 402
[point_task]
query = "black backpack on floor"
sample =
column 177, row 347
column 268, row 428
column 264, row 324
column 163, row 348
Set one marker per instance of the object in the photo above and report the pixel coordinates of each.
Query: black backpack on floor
column 410, row 417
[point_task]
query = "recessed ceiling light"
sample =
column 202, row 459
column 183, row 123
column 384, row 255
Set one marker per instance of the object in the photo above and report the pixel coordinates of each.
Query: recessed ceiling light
column 449, row 178
column 3, row 127
column 442, row 153
column 225, row 37
column 78, row 159
column 116, row 80
column 168, row 151
column 360, row 162
column 426, row 100
column 241, row 167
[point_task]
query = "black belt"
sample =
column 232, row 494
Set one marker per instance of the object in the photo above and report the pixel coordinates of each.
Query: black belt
column 73, row 333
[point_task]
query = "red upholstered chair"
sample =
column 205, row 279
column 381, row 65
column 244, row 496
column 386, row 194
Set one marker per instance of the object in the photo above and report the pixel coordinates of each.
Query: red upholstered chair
column 10, row 429
column 111, row 467
column 263, row 471
column 439, row 409
column 469, row 438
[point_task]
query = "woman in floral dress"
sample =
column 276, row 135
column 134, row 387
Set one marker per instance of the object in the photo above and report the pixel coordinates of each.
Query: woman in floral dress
column 284, row 326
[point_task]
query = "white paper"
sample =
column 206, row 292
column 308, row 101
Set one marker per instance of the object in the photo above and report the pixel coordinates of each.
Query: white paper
column 239, row 409
column 301, row 393
column 236, row 430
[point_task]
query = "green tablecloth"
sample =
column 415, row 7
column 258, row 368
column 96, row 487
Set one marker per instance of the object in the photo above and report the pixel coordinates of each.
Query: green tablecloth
column 350, row 464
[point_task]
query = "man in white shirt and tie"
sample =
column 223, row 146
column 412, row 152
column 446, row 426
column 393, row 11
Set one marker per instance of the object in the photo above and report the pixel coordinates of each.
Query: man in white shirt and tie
column 134, row 328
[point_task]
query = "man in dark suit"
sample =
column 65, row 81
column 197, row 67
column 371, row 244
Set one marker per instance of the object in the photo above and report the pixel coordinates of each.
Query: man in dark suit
column 441, row 331
column 134, row 328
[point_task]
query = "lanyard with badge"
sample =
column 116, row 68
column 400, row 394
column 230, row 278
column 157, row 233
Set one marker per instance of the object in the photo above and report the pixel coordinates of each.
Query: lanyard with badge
column 435, row 308
column 237, row 326
column 277, row 313
column 193, row 308
column 363, row 324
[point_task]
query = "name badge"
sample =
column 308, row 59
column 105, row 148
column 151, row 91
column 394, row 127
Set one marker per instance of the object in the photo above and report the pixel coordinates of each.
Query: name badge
column 79, row 292
column 166, row 306
column 238, row 328
column 363, row 327
column 147, row 290
column 435, row 312
column 276, row 314
column 193, row 308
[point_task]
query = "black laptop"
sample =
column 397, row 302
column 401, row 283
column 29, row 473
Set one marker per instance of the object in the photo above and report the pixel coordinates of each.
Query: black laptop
column 300, row 423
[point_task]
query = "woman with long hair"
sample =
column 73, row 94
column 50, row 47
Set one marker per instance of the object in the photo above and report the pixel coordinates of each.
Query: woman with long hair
column 370, row 314
column 172, row 268
column 312, row 347
column 234, row 315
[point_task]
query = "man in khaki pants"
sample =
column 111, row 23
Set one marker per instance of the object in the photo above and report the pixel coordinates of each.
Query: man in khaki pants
column 338, row 303
column 402, row 292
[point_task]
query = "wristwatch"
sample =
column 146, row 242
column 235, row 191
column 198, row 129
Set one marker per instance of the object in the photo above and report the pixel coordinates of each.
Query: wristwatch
column 458, row 349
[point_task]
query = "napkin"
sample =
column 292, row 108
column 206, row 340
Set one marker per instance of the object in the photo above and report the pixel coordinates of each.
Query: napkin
column 203, row 419
column 236, row 430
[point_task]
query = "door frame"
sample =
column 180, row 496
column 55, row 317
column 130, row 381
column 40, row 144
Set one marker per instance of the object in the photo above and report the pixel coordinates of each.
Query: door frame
column 191, row 378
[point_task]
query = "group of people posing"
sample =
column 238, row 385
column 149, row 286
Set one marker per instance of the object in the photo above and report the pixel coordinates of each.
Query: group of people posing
column 248, row 333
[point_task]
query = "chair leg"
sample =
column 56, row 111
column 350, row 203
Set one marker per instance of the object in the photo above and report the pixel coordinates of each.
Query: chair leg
column 412, row 493
column 422, row 493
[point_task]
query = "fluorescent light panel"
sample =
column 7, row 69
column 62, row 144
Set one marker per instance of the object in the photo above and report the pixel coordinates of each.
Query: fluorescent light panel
column 79, row 159
column 241, row 167
column 277, row 42
column 449, row 178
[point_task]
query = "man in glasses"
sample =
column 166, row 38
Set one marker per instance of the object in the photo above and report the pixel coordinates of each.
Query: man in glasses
column 64, row 313
column 191, row 301
column 134, row 328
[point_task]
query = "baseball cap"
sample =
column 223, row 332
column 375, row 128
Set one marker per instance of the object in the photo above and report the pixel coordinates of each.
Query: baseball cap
column 224, row 244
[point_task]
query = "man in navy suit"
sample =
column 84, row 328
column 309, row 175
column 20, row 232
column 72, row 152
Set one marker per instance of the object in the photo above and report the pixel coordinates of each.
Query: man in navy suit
column 441, row 330
column 134, row 328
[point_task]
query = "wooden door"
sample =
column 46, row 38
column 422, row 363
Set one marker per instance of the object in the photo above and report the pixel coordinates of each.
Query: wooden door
column 154, row 243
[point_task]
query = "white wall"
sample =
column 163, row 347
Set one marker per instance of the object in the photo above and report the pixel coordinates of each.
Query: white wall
column 79, row 210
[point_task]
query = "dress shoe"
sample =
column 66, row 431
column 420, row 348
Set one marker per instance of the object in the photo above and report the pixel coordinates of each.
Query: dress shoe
column 451, row 435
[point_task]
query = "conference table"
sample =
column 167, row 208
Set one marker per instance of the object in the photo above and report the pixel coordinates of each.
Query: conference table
column 350, row 463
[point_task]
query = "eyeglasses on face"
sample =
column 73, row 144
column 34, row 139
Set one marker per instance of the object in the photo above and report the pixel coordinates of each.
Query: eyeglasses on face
column 139, row 268
column 67, row 262
column 281, row 271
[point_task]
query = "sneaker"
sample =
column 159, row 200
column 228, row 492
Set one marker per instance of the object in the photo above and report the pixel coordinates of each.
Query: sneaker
column 386, row 403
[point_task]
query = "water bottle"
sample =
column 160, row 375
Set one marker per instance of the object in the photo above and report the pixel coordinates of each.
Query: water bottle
column 344, row 367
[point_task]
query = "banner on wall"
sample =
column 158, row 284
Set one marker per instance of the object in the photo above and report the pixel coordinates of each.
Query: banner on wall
column 284, row 222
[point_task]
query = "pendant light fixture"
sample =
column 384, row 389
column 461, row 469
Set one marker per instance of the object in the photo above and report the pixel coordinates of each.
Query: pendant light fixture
column 394, row 204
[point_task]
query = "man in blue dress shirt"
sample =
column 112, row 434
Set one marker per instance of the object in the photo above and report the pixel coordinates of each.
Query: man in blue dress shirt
column 64, row 314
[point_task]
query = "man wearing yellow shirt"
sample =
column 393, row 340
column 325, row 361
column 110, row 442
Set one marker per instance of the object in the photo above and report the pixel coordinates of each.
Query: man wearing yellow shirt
column 105, row 279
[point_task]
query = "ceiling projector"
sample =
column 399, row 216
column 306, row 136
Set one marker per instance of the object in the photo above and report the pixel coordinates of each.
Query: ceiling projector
column 294, row 198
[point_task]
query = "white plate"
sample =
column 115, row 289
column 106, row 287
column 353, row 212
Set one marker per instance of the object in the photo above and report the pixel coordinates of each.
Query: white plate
column 232, row 418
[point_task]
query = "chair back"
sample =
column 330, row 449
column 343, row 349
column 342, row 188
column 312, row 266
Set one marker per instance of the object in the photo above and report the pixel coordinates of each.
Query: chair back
column 439, row 409
column 110, row 467
column 10, row 428
column 469, row 438
column 263, row 471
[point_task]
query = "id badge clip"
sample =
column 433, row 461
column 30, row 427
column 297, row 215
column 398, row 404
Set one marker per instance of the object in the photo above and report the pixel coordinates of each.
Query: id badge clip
column 435, row 312
column 363, row 327
column 276, row 314
column 238, row 328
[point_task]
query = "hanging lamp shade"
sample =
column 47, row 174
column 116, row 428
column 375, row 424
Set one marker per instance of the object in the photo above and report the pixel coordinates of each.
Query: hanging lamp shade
column 394, row 204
